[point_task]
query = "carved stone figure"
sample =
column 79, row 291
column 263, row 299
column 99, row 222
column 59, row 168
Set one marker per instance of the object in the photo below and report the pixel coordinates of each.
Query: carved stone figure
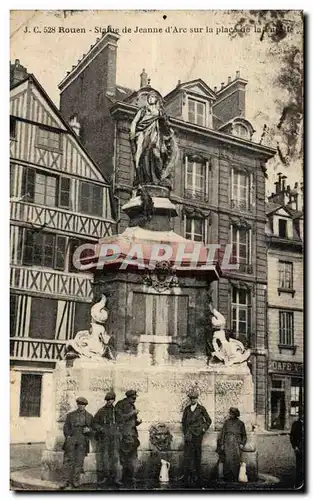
column 230, row 351
column 92, row 343
column 153, row 145
column 162, row 277
column 160, row 437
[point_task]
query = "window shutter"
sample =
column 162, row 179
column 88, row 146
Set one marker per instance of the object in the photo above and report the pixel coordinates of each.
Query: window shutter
column 60, row 252
column 186, row 169
column 232, row 184
column 28, row 183
column 65, row 192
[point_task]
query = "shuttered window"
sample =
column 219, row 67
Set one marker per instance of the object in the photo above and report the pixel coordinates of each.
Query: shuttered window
column 286, row 328
column 47, row 190
column 43, row 318
column 44, row 249
column 30, row 395
column 91, row 199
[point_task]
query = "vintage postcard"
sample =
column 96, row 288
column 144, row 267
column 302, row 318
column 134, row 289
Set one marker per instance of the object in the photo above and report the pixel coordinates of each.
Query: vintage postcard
column 156, row 230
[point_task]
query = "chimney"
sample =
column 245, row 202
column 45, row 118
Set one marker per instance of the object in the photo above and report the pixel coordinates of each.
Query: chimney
column 231, row 99
column 143, row 79
column 277, row 186
column 215, row 89
column 283, row 182
column 76, row 126
column 17, row 72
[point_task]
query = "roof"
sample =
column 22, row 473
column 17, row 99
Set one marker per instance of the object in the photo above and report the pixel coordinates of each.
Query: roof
column 58, row 113
column 198, row 81
column 274, row 207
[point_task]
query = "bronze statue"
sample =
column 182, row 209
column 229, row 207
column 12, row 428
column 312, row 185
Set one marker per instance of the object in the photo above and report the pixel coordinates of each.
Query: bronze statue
column 153, row 144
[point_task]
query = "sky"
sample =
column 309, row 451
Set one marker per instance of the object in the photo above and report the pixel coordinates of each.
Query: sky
column 166, row 57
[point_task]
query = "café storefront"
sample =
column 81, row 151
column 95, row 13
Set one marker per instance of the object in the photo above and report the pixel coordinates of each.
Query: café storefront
column 285, row 393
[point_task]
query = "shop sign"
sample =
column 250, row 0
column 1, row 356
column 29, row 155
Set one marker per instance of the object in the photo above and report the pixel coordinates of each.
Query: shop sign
column 285, row 367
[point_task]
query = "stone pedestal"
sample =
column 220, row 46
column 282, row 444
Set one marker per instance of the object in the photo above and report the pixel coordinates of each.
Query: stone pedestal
column 162, row 395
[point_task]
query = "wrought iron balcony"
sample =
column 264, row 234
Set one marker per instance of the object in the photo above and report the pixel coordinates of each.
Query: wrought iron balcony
column 51, row 282
column 22, row 348
column 194, row 194
column 240, row 204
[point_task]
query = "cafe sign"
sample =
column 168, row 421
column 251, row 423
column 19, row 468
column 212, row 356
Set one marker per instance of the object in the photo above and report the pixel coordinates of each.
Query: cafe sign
column 290, row 367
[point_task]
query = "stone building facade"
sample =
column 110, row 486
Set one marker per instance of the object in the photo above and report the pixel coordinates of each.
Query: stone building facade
column 59, row 200
column 219, row 181
column 284, row 235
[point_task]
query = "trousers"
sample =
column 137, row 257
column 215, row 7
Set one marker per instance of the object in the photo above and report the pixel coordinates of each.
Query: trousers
column 73, row 461
column 192, row 458
column 108, row 458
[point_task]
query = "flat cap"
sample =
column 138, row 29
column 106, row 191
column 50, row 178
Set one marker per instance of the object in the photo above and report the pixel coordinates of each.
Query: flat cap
column 110, row 395
column 81, row 401
column 131, row 392
column 193, row 394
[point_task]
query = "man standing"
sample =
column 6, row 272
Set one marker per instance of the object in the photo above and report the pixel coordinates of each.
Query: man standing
column 297, row 442
column 77, row 432
column 106, row 433
column 127, row 421
column 195, row 422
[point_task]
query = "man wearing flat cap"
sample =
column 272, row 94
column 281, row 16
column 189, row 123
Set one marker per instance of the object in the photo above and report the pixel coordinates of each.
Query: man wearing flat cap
column 127, row 421
column 77, row 432
column 107, row 436
column 195, row 423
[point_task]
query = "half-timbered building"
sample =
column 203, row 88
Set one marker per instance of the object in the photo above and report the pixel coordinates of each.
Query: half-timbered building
column 59, row 200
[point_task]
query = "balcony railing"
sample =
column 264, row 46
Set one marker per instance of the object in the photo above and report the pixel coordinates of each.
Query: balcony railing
column 36, row 349
column 63, row 220
column 240, row 204
column 51, row 282
column 193, row 194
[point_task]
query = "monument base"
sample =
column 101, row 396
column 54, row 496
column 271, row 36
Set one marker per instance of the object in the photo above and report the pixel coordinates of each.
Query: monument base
column 162, row 396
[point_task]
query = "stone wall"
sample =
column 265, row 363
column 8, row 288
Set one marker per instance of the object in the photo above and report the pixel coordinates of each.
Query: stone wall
column 162, row 396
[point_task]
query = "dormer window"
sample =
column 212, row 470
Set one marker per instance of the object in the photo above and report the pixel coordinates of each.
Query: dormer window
column 196, row 111
column 240, row 130
column 282, row 228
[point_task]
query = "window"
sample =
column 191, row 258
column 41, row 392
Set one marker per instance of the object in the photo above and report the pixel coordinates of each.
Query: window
column 44, row 189
column 295, row 396
column 43, row 318
column 91, row 199
column 196, row 112
column 240, row 130
column 64, row 192
column 285, row 275
column 12, row 127
column 44, row 249
column 12, row 180
column 286, row 332
column 282, row 228
column 82, row 317
column 74, row 243
column 194, row 229
column 196, row 181
column 30, row 395
column 241, row 311
column 240, row 190
column 13, row 313
column 241, row 248
column 49, row 139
